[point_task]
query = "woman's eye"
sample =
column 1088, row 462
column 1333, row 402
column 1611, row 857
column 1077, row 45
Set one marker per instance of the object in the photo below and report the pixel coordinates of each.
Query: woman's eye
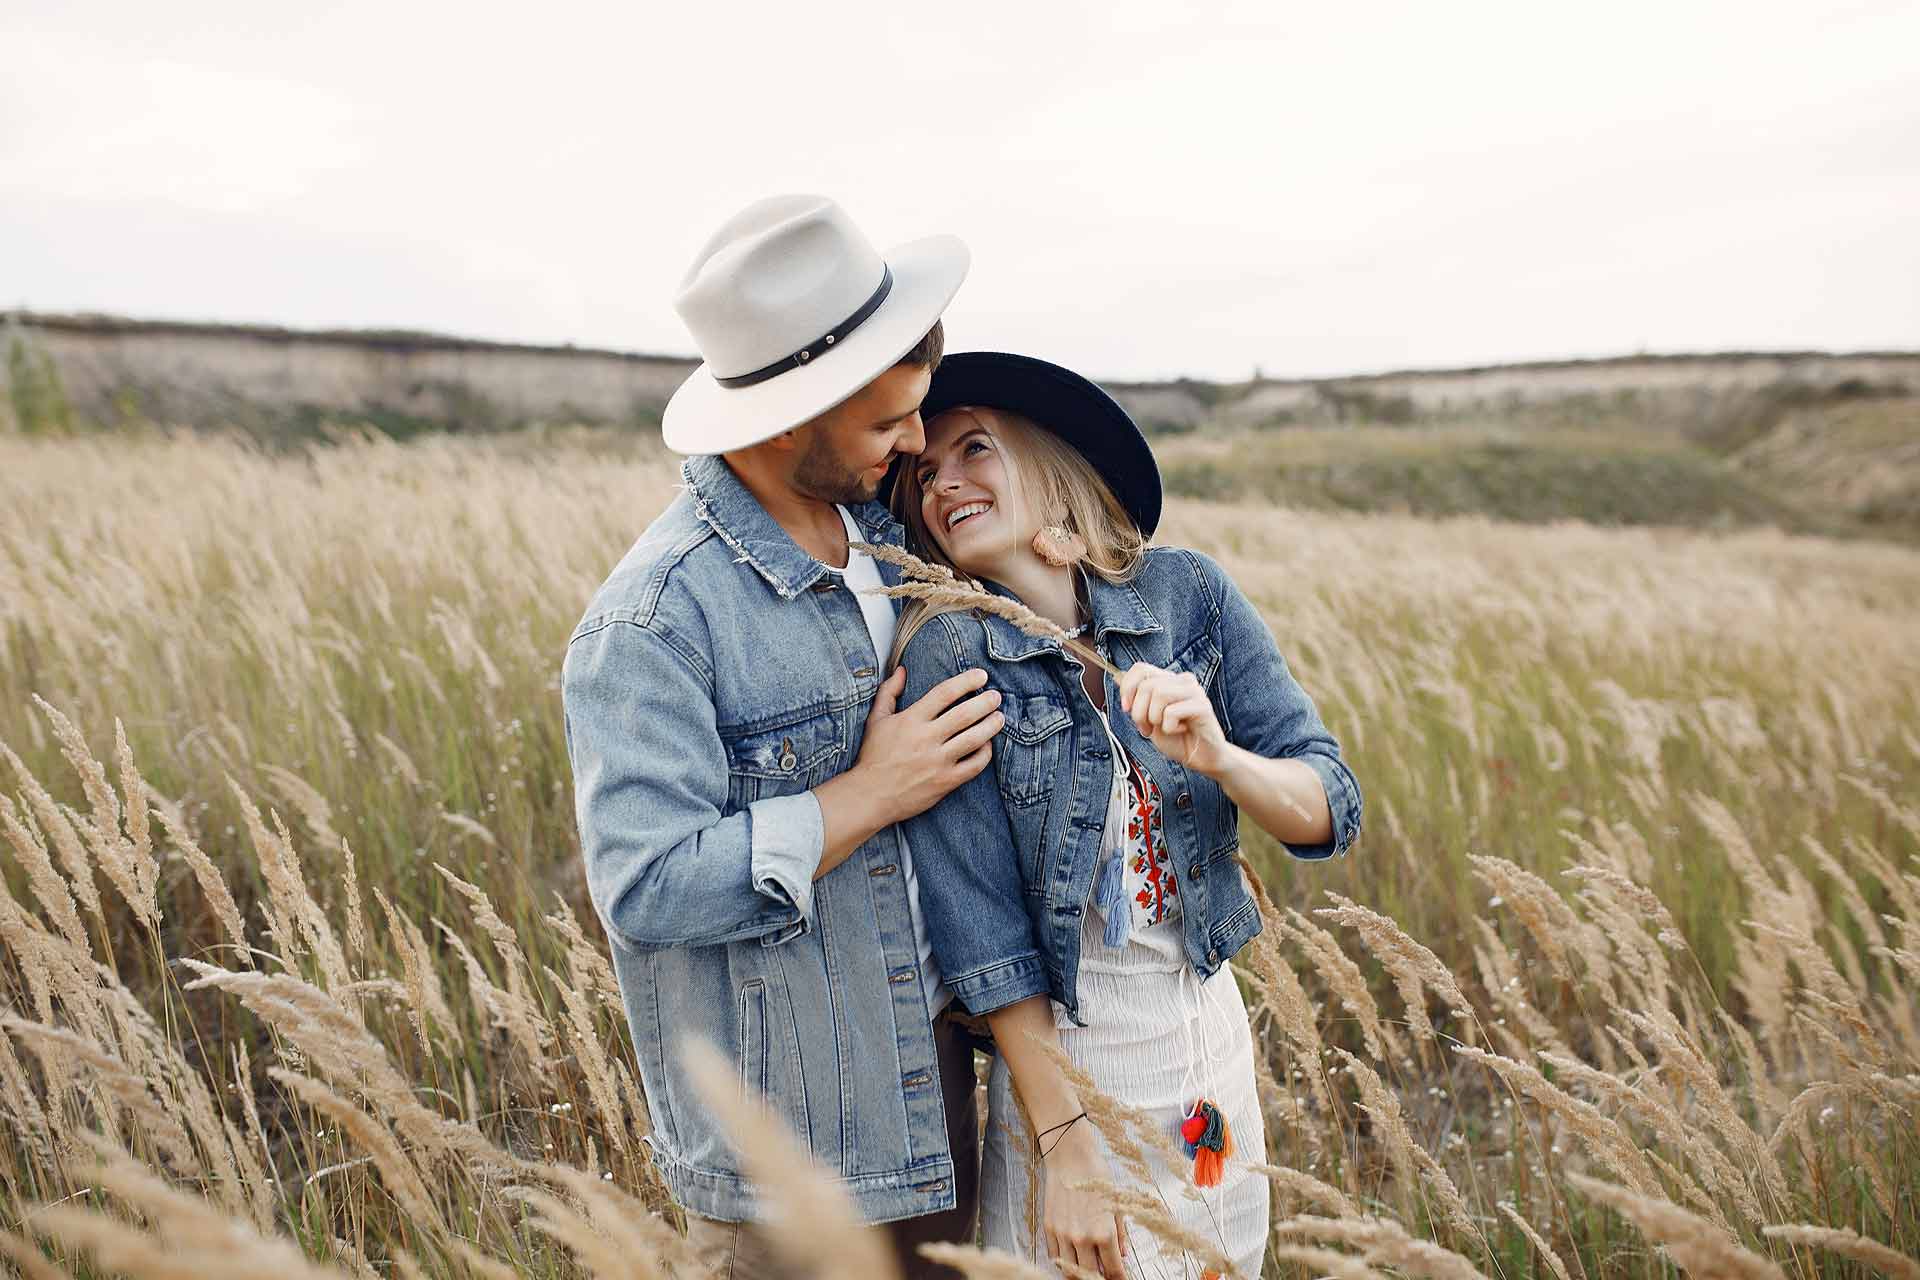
column 973, row 445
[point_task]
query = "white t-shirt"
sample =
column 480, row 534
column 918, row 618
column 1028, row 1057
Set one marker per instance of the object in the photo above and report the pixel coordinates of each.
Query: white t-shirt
column 862, row 577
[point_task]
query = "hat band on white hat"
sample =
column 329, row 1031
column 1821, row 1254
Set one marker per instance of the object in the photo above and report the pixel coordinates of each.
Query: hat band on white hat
column 819, row 346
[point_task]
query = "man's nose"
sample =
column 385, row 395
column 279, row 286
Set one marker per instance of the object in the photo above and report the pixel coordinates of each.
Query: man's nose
column 913, row 437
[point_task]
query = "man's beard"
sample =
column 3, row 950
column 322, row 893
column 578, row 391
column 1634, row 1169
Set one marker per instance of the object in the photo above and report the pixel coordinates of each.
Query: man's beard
column 821, row 474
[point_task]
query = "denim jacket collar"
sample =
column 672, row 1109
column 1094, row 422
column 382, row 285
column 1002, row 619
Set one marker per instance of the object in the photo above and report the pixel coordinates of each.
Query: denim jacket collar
column 1117, row 607
column 732, row 511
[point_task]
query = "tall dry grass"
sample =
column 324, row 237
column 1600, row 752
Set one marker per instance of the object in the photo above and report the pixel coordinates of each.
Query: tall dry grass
column 299, row 973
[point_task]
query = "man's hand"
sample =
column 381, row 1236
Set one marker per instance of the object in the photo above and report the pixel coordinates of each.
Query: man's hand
column 1172, row 711
column 909, row 759
column 917, row 755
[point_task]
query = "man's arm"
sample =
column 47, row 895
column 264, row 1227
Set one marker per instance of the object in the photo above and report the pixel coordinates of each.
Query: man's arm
column 665, row 868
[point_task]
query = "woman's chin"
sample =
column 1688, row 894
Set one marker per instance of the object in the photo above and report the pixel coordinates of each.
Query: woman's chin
column 973, row 565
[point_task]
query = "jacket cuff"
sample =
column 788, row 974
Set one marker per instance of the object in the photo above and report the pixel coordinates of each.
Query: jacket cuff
column 787, row 837
column 1000, row 984
column 1343, row 806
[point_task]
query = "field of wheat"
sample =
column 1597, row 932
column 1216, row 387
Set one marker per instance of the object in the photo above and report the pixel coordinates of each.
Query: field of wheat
column 299, row 974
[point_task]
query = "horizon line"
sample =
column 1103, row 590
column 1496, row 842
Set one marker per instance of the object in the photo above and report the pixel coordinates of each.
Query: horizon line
column 423, row 339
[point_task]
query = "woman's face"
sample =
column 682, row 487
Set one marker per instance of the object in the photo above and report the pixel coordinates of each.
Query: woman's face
column 970, row 497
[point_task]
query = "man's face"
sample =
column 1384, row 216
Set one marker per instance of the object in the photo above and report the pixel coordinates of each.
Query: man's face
column 845, row 452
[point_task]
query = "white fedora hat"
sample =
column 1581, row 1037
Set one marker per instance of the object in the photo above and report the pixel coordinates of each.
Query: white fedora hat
column 794, row 311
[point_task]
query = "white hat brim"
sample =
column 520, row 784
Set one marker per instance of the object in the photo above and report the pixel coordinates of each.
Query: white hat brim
column 705, row 417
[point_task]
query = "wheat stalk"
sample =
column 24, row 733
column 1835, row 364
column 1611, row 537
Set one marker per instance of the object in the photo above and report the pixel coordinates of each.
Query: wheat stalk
column 1696, row 1245
column 1849, row 1244
column 937, row 585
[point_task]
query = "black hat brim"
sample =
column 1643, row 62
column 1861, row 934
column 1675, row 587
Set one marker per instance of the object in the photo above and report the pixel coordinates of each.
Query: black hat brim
column 1063, row 402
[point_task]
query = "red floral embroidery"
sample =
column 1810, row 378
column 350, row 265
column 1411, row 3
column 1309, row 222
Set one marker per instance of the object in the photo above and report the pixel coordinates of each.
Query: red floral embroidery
column 1148, row 863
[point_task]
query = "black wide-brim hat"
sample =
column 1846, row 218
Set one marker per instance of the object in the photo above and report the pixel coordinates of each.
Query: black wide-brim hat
column 1064, row 403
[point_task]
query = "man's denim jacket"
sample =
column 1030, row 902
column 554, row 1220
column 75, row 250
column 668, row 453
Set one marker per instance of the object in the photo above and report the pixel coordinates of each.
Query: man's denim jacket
column 718, row 676
column 1006, row 863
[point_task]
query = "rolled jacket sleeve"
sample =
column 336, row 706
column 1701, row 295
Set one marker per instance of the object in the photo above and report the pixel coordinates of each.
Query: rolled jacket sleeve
column 1268, row 713
column 667, row 866
column 971, row 893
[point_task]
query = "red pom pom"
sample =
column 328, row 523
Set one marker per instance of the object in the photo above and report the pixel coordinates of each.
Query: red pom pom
column 1193, row 1127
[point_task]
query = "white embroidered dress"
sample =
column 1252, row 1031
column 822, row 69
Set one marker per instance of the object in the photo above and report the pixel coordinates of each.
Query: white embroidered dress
column 1156, row 1038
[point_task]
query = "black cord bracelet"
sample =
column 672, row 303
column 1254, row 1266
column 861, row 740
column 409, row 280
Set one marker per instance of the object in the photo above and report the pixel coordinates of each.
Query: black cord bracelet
column 1060, row 1129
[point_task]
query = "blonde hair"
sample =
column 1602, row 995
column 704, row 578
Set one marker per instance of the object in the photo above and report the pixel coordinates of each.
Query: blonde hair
column 1056, row 480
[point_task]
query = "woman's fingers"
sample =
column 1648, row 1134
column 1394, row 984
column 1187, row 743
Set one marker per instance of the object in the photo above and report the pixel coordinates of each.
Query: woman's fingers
column 1188, row 714
column 1110, row 1263
column 1151, row 698
column 1090, row 1256
column 1152, row 694
column 1130, row 681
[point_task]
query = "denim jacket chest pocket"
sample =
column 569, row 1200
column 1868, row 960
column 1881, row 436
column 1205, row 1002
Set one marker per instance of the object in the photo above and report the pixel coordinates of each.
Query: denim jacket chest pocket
column 1030, row 762
column 784, row 759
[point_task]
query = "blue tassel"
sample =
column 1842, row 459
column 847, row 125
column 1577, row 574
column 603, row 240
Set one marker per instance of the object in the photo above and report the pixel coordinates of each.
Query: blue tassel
column 1109, row 894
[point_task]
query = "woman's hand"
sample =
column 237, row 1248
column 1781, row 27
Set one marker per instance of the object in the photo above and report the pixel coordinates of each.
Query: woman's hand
column 1172, row 711
column 1079, row 1228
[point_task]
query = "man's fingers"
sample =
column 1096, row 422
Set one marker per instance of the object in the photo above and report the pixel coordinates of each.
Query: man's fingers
column 969, row 766
column 975, row 736
column 886, row 699
column 949, row 691
column 962, row 714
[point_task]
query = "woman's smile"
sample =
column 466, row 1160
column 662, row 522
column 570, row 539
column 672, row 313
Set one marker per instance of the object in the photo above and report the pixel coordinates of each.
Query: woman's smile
column 965, row 512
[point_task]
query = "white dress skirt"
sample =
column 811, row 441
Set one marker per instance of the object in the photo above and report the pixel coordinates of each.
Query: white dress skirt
column 1159, row 1040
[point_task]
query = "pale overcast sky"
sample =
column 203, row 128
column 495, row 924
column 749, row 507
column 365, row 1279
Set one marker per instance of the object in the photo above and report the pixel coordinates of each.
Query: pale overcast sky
column 1149, row 188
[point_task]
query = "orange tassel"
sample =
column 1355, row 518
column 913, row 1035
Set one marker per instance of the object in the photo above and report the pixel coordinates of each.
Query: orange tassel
column 1207, row 1168
column 1209, row 1140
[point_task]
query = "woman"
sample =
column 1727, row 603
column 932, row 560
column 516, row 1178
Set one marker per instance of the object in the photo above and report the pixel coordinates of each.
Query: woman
column 1084, row 892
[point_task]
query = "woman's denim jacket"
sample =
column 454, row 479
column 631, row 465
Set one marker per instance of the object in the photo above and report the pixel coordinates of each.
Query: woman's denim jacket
column 718, row 676
column 1006, row 863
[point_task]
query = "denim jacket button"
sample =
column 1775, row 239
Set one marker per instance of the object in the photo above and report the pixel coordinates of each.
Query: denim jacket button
column 788, row 760
column 1193, row 875
column 1184, row 800
column 1213, row 956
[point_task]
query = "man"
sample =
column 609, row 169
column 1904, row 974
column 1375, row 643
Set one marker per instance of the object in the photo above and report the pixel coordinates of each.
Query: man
column 739, row 762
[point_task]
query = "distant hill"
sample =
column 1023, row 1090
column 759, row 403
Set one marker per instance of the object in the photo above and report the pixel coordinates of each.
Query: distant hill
column 1805, row 441
column 107, row 370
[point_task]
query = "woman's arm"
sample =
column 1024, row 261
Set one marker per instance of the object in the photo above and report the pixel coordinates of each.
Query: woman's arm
column 965, row 859
column 1173, row 712
column 1275, row 760
column 1079, row 1228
